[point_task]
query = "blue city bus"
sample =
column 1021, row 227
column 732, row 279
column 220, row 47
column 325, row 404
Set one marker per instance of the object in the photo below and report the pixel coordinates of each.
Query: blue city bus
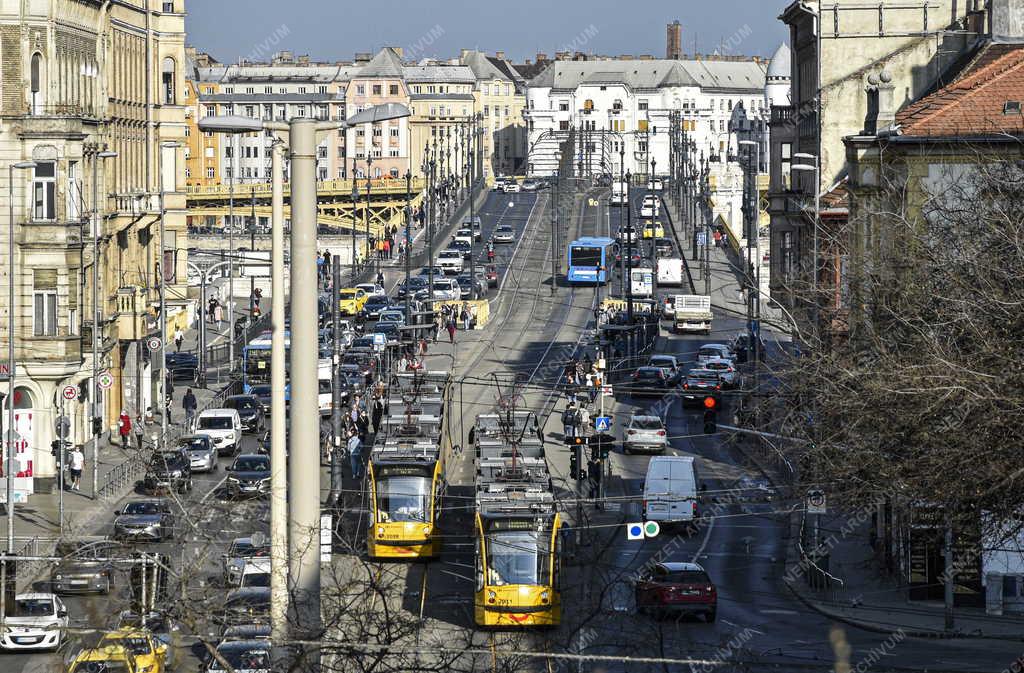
column 589, row 259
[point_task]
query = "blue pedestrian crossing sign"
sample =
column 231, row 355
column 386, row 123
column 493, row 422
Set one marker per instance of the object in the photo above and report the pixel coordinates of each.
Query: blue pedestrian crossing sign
column 603, row 423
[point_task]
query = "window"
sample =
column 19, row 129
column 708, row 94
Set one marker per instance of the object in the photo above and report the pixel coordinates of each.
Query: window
column 393, row 89
column 44, row 184
column 74, row 192
column 188, row 131
column 507, row 89
column 321, row 152
column 37, row 83
column 321, row 112
column 302, row 89
column 209, row 173
column 377, row 132
column 44, row 302
column 322, row 88
column 641, row 125
column 641, row 105
column 360, row 89
column 394, row 133
column 393, row 152
column 250, row 110
column 378, row 89
column 563, row 125
column 229, row 152
column 360, row 132
column 250, row 90
column 169, row 7
column 229, row 89
column 563, row 106
column 487, row 89
column 268, row 112
column 322, row 174
column 641, row 146
column 588, row 105
column 268, row 89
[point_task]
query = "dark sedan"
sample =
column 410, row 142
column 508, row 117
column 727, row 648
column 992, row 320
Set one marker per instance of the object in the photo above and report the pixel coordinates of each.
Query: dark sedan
column 149, row 520
column 373, row 306
column 183, row 366
column 250, row 411
column 699, row 384
column 263, row 394
column 168, row 471
column 416, row 283
column 649, row 382
column 250, row 476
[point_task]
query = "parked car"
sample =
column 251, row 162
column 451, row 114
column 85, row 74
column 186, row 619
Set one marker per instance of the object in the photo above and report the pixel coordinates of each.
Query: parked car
column 183, row 366
column 202, row 455
column 676, row 588
column 700, row 383
column 245, row 606
column 250, row 476
column 243, row 549
column 168, row 471
column 372, row 289
column 144, row 520
column 644, row 433
column 36, row 621
column 504, row 234
column 85, row 566
column 242, row 656
column 250, row 411
column 726, row 372
column 223, row 426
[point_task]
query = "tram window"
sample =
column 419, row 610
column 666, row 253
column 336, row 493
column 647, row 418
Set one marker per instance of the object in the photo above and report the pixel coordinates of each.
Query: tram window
column 513, row 559
column 403, row 499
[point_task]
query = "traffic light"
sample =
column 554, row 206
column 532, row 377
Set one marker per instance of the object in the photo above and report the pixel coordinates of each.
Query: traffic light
column 97, row 425
column 710, row 415
column 576, row 459
column 601, row 446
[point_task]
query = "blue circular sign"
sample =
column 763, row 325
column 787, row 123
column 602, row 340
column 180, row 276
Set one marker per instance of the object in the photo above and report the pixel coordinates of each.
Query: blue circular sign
column 636, row 529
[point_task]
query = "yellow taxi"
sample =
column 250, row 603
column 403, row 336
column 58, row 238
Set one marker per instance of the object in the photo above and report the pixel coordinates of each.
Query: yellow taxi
column 149, row 652
column 351, row 300
column 106, row 658
column 654, row 230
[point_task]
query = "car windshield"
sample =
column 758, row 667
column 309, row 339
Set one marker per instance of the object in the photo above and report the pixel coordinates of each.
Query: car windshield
column 242, row 659
column 243, row 403
column 405, row 498
column 442, row 286
column 215, row 422
column 261, row 391
column 144, row 508
column 347, row 294
column 515, row 557
column 683, row 577
column 247, row 550
column 170, row 461
column 253, row 464
column 718, row 365
column 196, row 444
column 256, row 580
column 134, row 644
column 247, row 600
column 504, row 230
column 709, row 352
column 662, row 362
column 646, row 424
column 34, row 607
column 649, row 373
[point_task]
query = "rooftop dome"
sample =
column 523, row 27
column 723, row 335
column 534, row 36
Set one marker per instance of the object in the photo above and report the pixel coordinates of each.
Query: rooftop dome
column 782, row 62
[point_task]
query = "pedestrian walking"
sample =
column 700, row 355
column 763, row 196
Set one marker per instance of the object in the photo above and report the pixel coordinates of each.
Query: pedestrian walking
column 464, row 317
column 168, row 402
column 139, row 431
column 76, row 463
column 437, row 327
column 363, row 424
column 570, row 419
column 584, row 420
column 211, row 309
column 124, row 427
column 570, row 372
column 377, row 414
column 451, row 330
column 403, row 364
column 257, row 295
column 355, row 454
column 387, row 248
column 423, row 347
column 718, row 238
column 380, row 278
column 189, row 404
column 218, row 313
column 179, row 338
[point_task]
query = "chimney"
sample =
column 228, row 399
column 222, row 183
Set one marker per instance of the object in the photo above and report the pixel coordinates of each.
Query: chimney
column 881, row 103
column 1007, row 20
column 541, row 57
column 362, row 57
column 500, row 55
column 398, row 50
column 646, row 57
column 463, row 53
column 674, row 41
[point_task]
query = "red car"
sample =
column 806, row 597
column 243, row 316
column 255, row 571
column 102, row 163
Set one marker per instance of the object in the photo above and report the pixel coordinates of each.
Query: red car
column 677, row 588
column 492, row 275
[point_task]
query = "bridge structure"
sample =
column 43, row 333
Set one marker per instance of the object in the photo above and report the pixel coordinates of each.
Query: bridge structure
column 208, row 206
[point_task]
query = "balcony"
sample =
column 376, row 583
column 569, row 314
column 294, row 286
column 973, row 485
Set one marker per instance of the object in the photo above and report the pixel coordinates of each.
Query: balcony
column 56, row 121
column 49, row 348
column 34, row 234
column 781, row 114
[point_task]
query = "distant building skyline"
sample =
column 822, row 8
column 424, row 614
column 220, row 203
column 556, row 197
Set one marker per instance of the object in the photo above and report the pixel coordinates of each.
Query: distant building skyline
column 440, row 30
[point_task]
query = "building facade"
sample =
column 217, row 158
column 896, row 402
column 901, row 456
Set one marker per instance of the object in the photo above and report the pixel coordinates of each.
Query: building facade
column 80, row 78
column 442, row 104
column 917, row 42
column 499, row 100
column 379, row 150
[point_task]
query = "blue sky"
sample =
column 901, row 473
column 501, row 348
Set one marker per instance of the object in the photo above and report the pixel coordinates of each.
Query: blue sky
column 331, row 30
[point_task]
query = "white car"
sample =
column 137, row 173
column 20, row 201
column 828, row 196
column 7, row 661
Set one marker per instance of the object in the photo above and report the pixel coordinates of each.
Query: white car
column 450, row 261
column 465, row 235
column 504, row 234
column 223, row 426
column 39, row 622
column 645, row 433
column 512, row 187
column 650, row 209
column 372, row 289
column 726, row 371
column 710, row 351
column 447, row 289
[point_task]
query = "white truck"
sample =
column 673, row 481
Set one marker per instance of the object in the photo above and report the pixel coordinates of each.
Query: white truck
column 619, row 193
column 693, row 313
column 642, row 282
column 670, row 271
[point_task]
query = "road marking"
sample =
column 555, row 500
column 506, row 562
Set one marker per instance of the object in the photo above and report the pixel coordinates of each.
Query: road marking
column 213, row 490
column 778, row 612
column 704, row 542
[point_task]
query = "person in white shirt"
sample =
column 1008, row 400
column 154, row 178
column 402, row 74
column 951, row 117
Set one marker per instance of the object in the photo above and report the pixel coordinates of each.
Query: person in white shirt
column 76, row 463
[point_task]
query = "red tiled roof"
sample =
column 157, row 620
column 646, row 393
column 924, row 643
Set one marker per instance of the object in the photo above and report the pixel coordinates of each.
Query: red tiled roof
column 973, row 104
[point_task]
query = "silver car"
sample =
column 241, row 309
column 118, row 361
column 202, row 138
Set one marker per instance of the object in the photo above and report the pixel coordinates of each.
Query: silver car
column 709, row 351
column 504, row 234
column 202, row 454
column 645, row 433
column 726, row 371
column 140, row 520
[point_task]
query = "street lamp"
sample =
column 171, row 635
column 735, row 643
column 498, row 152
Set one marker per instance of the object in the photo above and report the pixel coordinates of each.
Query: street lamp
column 9, row 471
column 94, row 427
column 302, row 516
column 754, row 245
column 355, row 224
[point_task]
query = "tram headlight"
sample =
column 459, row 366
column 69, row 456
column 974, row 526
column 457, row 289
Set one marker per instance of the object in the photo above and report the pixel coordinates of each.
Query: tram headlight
column 427, row 529
column 545, row 597
column 380, row 531
column 492, row 596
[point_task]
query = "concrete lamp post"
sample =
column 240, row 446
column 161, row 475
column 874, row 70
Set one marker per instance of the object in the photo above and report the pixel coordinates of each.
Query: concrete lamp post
column 812, row 165
column 295, row 508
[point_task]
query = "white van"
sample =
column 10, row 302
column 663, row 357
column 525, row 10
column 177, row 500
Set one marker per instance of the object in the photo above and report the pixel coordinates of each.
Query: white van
column 670, row 491
column 670, row 271
column 223, row 427
column 255, row 573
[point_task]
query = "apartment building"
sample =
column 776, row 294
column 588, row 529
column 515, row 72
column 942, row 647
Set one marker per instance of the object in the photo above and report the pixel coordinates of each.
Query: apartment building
column 500, row 97
column 79, row 79
column 442, row 103
column 379, row 150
